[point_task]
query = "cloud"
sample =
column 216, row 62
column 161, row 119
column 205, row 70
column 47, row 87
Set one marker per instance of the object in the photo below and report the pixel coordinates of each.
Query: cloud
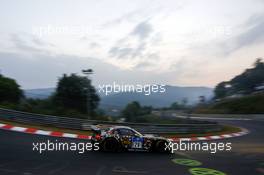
column 144, row 65
column 93, row 45
column 40, row 43
column 130, row 16
column 144, row 12
column 123, row 49
column 127, row 52
column 143, row 30
column 27, row 46
column 84, row 38
column 153, row 56
column 252, row 35
column 44, row 69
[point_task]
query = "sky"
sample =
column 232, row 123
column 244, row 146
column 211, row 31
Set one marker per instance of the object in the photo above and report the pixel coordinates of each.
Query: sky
column 172, row 42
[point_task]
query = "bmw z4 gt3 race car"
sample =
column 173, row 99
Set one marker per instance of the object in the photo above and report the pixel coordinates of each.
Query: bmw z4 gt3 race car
column 121, row 138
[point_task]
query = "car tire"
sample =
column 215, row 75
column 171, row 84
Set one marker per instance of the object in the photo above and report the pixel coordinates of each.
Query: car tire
column 110, row 145
column 160, row 146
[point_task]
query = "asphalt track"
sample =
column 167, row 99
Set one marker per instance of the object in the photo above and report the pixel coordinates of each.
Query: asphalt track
column 17, row 157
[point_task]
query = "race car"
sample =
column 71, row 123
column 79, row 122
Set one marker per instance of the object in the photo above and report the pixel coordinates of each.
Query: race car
column 121, row 138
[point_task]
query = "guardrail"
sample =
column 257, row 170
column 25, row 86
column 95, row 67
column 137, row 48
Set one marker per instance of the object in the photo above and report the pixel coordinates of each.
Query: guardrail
column 83, row 124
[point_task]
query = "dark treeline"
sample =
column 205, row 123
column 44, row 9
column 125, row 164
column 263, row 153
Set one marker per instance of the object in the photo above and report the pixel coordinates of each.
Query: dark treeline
column 245, row 83
column 74, row 97
column 244, row 94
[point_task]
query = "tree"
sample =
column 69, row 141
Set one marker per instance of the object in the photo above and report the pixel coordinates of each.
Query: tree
column 245, row 83
column 9, row 90
column 176, row 106
column 146, row 110
column 259, row 62
column 76, row 92
column 132, row 111
column 220, row 90
column 184, row 102
column 202, row 99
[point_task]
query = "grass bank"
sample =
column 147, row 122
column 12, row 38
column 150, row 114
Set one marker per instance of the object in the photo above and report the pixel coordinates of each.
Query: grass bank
column 251, row 104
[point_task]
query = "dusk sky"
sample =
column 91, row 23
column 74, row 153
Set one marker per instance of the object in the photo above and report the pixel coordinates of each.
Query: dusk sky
column 183, row 43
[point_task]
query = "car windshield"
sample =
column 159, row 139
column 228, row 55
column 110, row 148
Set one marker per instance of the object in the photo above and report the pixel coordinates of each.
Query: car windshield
column 126, row 131
column 136, row 132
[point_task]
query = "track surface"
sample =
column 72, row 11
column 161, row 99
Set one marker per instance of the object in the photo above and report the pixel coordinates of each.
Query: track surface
column 17, row 157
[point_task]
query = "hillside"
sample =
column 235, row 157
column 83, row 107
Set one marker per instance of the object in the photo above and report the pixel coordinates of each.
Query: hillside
column 250, row 81
column 172, row 94
column 251, row 104
column 119, row 100
column 40, row 93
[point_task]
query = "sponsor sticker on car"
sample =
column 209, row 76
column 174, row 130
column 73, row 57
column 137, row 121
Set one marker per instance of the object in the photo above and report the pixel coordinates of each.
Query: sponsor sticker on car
column 137, row 142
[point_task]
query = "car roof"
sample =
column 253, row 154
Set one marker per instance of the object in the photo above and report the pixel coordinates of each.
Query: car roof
column 121, row 127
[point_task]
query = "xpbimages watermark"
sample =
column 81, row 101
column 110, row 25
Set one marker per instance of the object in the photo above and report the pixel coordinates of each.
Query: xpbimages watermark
column 80, row 147
column 186, row 145
column 146, row 89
